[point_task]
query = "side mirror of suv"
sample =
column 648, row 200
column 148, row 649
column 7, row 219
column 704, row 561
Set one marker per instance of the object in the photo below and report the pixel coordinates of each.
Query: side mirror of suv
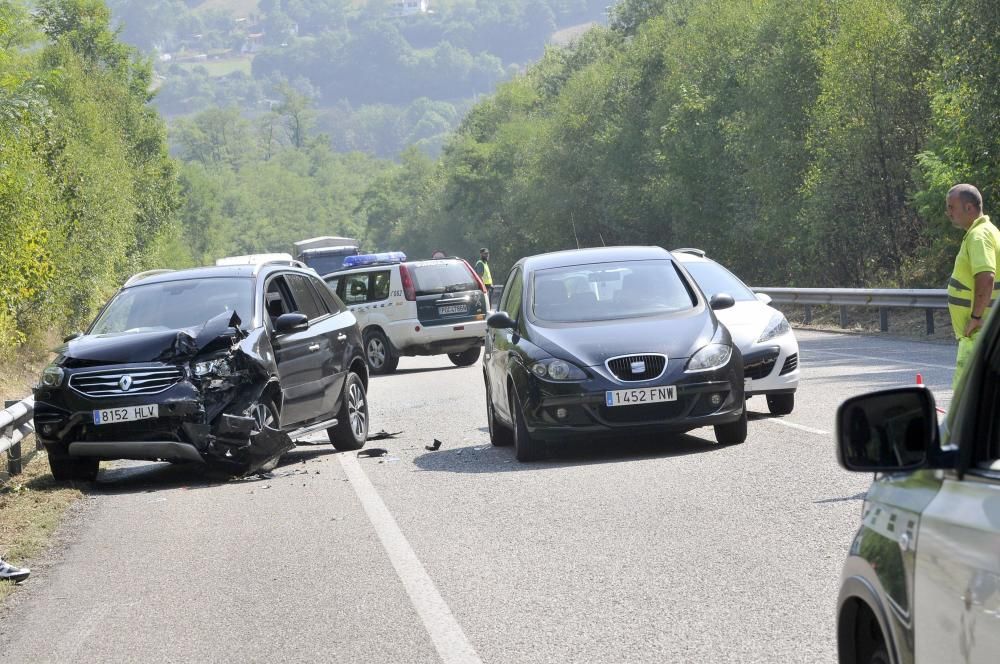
column 70, row 337
column 500, row 320
column 887, row 431
column 293, row 322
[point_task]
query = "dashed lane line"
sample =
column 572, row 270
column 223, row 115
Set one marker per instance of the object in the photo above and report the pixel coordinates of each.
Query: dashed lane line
column 887, row 360
column 445, row 632
column 793, row 425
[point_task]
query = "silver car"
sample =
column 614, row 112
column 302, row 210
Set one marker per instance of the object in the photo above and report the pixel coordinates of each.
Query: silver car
column 922, row 580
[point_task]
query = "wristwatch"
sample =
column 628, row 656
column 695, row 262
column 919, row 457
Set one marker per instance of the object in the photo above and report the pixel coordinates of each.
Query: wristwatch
column 975, row 317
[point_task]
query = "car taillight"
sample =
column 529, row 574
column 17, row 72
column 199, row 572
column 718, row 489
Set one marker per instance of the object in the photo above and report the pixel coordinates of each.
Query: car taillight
column 475, row 276
column 408, row 291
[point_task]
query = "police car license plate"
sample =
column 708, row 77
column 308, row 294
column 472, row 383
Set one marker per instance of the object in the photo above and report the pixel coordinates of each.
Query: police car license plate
column 128, row 414
column 453, row 309
column 640, row 396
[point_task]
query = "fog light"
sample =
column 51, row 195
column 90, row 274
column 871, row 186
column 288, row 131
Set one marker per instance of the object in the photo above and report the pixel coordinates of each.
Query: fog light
column 716, row 399
column 416, row 328
column 561, row 413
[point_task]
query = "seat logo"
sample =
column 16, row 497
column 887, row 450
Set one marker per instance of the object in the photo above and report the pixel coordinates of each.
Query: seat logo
column 125, row 382
column 638, row 367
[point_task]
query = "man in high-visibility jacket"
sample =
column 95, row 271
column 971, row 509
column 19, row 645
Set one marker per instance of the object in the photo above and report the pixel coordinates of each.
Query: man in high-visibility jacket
column 972, row 286
column 483, row 267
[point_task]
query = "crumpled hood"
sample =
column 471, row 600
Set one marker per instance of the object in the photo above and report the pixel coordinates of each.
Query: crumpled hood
column 592, row 343
column 150, row 345
column 746, row 322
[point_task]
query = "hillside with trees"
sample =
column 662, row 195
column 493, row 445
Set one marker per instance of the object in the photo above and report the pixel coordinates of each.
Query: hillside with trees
column 802, row 142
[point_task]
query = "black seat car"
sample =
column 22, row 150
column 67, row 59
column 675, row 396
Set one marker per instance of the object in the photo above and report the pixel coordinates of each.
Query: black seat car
column 608, row 341
column 223, row 365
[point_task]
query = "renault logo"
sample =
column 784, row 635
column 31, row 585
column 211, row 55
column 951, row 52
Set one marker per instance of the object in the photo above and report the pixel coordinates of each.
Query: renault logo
column 638, row 367
column 125, row 382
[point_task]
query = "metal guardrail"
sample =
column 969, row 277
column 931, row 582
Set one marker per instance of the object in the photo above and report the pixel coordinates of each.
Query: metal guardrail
column 15, row 425
column 927, row 299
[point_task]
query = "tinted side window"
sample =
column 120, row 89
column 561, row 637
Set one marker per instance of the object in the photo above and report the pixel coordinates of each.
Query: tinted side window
column 355, row 288
column 305, row 298
column 379, row 286
column 319, row 289
column 329, row 295
column 511, row 301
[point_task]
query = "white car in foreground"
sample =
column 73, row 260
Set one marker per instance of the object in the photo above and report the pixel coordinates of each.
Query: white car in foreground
column 770, row 351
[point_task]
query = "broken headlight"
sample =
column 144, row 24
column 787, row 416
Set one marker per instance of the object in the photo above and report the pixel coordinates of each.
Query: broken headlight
column 52, row 376
column 218, row 366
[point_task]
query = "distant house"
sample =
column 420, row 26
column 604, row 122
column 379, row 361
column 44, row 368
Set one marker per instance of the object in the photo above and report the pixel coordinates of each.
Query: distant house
column 409, row 7
column 253, row 43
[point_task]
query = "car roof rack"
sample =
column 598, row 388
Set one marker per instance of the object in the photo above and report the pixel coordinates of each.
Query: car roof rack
column 691, row 250
column 139, row 276
column 281, row 261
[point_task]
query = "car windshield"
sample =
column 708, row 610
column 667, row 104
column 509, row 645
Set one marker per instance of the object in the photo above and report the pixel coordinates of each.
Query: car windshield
column 605, row 291
column 713, row 279
column 441, row 277
column 174, row 305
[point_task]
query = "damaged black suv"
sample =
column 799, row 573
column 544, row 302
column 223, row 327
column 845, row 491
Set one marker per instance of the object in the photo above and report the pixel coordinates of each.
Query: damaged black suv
column 222, row 365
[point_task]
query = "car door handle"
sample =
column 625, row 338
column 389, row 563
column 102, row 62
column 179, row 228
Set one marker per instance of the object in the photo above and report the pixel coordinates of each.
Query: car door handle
column 314, row 347
column 341, row 337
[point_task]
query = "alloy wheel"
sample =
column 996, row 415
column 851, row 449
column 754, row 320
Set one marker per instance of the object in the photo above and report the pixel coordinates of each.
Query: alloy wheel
column 376, row 352
column 357, row 410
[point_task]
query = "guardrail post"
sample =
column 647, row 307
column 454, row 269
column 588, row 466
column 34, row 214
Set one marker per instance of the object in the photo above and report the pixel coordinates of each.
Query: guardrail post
column 809, row 314
column 883, row 319
column 14, row 453
column 929, row 313
column 843, row 316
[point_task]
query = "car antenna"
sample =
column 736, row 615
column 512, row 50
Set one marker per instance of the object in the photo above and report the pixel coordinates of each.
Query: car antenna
column 575, row 236
column 602, row 240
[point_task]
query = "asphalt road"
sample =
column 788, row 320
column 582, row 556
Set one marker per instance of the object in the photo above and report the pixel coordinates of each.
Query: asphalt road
column 657, row 550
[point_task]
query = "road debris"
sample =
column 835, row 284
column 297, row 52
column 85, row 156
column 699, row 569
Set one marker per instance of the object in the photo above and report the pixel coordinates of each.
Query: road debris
column 373, row 452
column 435, row 447
column 383, row 435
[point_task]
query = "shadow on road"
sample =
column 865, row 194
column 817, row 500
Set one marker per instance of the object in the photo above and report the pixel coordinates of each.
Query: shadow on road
column 490, row 459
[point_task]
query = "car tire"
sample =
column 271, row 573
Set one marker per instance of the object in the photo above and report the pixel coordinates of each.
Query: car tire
column 780, row 404
column 265, row 413
column 351, row 430
column 379, row 353
column 500, row 435
column 733, row 433
column 68, row 469
column 466, row 358
column 526, row 448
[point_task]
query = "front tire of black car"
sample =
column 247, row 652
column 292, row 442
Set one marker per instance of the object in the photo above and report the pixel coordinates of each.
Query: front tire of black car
column 68, row 469
column 500, row 435
column 526, row 448
column 781, row 404
column 733, row 433
column 351, row 430
column 466, row 358
column 379, row 353
column 265, row 413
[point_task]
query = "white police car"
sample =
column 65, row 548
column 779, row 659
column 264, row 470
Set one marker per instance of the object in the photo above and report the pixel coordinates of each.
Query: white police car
column 430, row 307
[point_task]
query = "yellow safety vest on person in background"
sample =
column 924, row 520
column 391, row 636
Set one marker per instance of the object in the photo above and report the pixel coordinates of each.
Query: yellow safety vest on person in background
column 483, row 270
column 980, row 252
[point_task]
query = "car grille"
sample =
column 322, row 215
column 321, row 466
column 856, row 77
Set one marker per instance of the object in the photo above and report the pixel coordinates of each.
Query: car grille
column 759, row 365
column 652, row 366
column 791, row 364
column 112, row 382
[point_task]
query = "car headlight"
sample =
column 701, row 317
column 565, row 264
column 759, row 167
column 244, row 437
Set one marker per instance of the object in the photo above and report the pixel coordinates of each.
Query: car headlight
column 557, row 370
column 712, row 356
column 52, row 376
column 217, row 367
column 777, row 326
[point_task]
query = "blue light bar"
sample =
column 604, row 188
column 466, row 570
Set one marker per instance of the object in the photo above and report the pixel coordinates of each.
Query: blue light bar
column 362, row 260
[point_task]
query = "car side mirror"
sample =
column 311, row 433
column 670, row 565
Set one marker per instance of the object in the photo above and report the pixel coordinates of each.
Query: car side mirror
column 763, row 297
column 70, row 337
column 293, row 322
column 721, row 301
column 887, row 431
column 501, row 321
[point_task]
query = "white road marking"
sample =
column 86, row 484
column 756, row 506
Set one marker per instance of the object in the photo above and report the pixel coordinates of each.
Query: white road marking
column 440, row 622
column 793, row 425
column 882, row 359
